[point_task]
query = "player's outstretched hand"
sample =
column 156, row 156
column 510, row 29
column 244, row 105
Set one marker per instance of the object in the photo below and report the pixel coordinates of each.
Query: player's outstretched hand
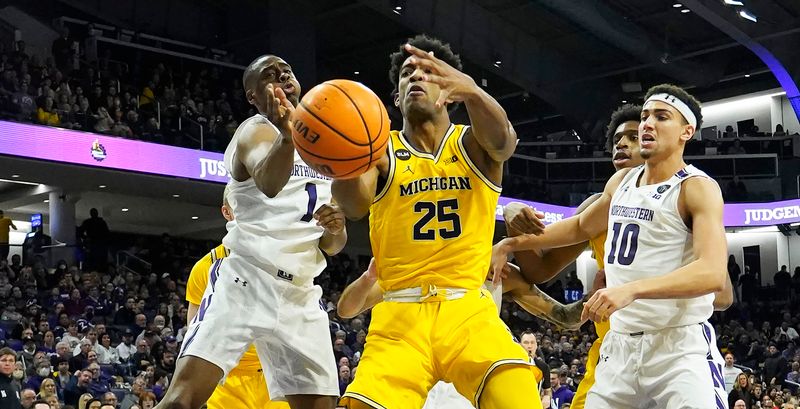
column 279, row 109
column 500, row 252
column 331, row 218
column 455, row 85
column 605, row 302
column 523, row 218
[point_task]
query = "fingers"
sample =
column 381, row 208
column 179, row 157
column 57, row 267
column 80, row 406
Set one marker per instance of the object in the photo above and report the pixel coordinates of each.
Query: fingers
column 444, row 95
column 422, row 54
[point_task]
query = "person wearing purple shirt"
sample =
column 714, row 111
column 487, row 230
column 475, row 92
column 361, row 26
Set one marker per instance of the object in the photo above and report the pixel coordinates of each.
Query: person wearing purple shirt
column 561, row 393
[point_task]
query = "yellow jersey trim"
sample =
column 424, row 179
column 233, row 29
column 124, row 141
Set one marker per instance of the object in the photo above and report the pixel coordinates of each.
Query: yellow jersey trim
column 390, row 173
column 426, row 155
column 472, row 165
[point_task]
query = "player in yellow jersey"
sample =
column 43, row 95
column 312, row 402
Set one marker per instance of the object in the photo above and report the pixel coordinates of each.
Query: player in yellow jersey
column 539, row 266
column 432, row 202
column 245, row 386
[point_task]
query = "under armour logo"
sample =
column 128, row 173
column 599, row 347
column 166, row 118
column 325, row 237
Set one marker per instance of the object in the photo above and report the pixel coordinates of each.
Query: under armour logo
column 238, row 280
column 408, row 169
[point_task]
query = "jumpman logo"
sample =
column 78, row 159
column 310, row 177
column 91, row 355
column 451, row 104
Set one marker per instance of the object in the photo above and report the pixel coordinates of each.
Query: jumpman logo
column 244, row 282
column 408, row 169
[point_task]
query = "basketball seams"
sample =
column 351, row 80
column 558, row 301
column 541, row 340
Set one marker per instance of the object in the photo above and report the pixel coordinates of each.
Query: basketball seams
column 358, row 109
column 323, row 122
column 335, row 141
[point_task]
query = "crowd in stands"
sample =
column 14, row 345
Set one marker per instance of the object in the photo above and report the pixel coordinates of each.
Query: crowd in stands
column 113, row 334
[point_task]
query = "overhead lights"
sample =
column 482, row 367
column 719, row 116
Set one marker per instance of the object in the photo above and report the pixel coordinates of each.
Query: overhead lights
column 176, row 195
column 124, row 209
column 748, row 16
column 397, row 6
column 733, row 3
column 356, row 72
column 677, row 5
column 195, row 217
column 747, row 75
column 624, row 101
column 101, row 187
column 14, row 176
column 684, row 11
column 46, row 200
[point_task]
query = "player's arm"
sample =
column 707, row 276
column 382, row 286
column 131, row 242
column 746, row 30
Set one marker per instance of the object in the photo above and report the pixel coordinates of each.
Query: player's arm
column 356, row 195
column 536, row 302
column 267, row 155
column 13, row 226
column 360, row 295
column 331, row 218
column 705, row 275
column 724, row 299
column 491, row 128
column 540, row 265
column 574, row 230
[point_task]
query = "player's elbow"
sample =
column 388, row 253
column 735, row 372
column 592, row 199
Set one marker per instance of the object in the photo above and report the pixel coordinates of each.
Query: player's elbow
column 504, row 145
column 716, row 280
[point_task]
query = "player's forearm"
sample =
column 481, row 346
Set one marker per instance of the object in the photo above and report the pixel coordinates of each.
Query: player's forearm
column 561, row 234
column 332, row 244
column 272, row 173
column 696, row 279
column 353, row 196
column 355, row 298
column 536, row 302
column 724, row 299
column 490, row 125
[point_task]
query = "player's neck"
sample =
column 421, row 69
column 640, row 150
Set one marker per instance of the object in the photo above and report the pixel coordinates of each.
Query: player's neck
column 426, row 135
column 660, row 170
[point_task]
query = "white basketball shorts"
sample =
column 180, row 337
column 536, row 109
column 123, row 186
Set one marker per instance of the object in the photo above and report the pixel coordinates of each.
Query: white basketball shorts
column 245, row 304
column 672, row 368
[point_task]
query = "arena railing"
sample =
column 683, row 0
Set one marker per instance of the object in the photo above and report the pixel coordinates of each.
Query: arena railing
column 599, row 169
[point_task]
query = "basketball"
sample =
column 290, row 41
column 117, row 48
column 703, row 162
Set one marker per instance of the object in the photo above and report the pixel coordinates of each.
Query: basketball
column 340, row 128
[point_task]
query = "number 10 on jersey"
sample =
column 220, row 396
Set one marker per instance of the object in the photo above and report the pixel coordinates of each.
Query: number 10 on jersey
column 628, row 240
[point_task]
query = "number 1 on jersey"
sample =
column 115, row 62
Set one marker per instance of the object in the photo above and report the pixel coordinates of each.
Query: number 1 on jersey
column 311, row 189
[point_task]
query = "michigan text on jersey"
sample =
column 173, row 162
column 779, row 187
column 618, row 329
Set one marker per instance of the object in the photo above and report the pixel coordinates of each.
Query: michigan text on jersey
column 435, row 183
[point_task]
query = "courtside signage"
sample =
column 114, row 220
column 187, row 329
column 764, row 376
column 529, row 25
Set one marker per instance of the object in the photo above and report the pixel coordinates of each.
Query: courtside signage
column 89, row 149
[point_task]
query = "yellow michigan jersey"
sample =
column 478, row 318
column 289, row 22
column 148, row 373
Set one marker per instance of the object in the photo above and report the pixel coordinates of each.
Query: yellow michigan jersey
column 431, row 226
column 245, row 386
column 579, row 400
column 433, row 221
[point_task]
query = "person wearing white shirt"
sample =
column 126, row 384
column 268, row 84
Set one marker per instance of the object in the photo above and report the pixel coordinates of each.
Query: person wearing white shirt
column 106, row 354
column 126, row 349
column 730, row 372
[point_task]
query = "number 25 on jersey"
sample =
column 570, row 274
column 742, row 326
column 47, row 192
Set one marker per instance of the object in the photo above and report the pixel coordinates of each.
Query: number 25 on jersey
column 444, row 211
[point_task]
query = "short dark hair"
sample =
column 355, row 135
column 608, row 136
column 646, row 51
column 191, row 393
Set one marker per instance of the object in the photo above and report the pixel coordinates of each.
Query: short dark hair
column 681, row 94
column 625, row 113
column 249, row 72
column 8, row 351
column 40, row 402
column 441, row 50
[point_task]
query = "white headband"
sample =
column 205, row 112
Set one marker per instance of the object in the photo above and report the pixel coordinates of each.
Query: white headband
column 677, row 104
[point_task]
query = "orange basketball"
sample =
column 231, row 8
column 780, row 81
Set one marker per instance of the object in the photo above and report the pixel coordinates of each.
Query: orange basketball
column 340, row 128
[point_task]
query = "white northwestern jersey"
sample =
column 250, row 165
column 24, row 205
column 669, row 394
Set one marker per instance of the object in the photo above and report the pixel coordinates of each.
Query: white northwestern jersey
column 648, row 238
column 280, row 231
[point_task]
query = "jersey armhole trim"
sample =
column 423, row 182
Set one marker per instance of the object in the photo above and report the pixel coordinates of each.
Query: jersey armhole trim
column 389, row 174
column 472, row 165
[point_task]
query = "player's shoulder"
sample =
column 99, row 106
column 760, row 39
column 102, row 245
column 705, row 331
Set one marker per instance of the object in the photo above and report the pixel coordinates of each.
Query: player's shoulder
column 619, row 177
